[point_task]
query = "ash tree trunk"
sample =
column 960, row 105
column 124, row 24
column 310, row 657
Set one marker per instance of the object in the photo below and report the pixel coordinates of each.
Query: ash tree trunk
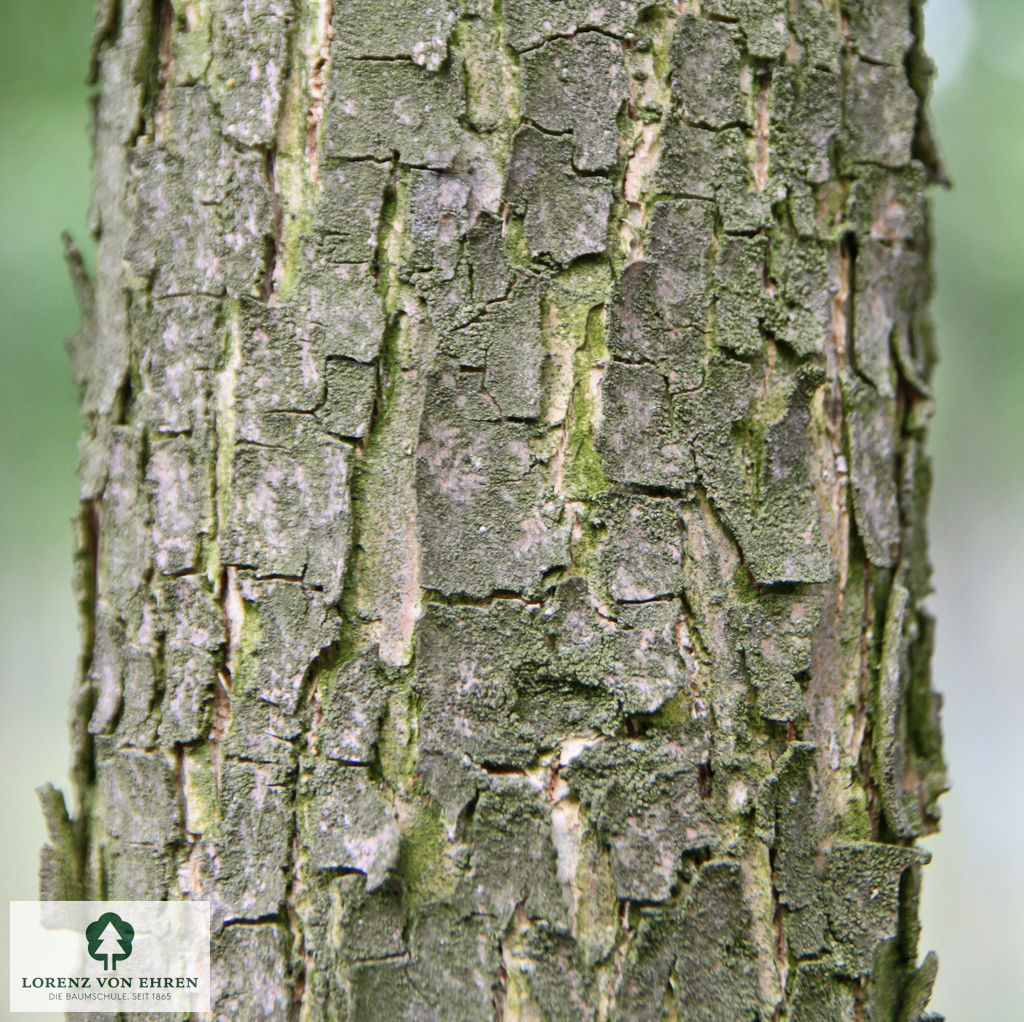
column 501, row 549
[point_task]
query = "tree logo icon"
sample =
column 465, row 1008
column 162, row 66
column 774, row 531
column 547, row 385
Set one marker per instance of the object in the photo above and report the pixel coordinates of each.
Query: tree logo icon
column 110, row 939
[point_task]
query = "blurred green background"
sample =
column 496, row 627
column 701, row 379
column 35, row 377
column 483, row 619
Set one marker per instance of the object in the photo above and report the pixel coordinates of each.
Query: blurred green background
column 44, row 189
column 974, row 890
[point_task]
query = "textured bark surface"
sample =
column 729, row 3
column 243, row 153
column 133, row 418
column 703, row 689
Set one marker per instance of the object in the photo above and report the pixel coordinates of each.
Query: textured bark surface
column 501, row 550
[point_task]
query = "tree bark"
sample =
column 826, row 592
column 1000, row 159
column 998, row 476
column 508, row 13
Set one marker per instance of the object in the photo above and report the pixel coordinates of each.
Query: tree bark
column 501, row 550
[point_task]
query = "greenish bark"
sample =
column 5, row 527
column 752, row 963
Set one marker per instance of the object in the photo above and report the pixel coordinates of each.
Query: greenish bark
column 501, row 550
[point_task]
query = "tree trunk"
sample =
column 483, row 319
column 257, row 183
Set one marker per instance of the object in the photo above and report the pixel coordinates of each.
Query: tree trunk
column 501, row 550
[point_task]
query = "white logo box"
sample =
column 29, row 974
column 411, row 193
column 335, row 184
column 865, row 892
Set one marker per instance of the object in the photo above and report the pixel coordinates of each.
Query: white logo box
column 109, row 956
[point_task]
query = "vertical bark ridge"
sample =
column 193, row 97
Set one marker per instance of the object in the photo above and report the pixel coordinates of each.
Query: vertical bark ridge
column 502, row 547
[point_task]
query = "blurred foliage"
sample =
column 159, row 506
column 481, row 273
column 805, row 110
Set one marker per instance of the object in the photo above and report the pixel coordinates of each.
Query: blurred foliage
column 44, row 49
column 44, row 189
column 973, row 907
column 979, row 227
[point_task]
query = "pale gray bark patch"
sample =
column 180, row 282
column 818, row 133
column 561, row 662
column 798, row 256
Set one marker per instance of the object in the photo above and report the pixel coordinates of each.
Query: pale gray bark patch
column 245, row 970
column 741, row 312
column 817, row 997
column 642, row 558
column 181, row 340
column 637, row 438
column 704, row 953
column 764, row 24
column 353, row 702
column 565, row 216
column 807, row 107
column 787, row 811
column 345, row 822
column 577, row 86
column 485, row 520
column 376, row 108
column 394, row 29
column 133, row 779
column 292, row 485
column 60, row 865
column 249, row 48
column 806, row 275
column 503, row 351
column 887, row 290
column 220, row 196
column 879, row 112
column 421, row 984
column 293, row 620
column 701, row 163
column 499, row 706
column 882, row 31
column 775, row 639
column 191, row 650
column 643, row 798
column 706, row 59
column 510, row 827
column 242, row 862
column 343, row 310
column 349, row 207
column 502, row 549
column 873, row 470
column 775, row 522
column 641, row 328
column 865, row 874
column 530, row 22
column 681, row 239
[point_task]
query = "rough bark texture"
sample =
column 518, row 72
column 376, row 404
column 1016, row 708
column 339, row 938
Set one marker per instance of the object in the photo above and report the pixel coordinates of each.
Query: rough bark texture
column 501, row 541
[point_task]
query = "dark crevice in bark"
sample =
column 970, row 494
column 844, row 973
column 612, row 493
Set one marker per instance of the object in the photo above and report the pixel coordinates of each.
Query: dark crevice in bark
column 273, row 254
column 318, row 88
column 270, row 919
column 497, row 595
column 156, row 65
column 230, row 607
column 684, row 492
column 782, row 961
column 83, row 766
